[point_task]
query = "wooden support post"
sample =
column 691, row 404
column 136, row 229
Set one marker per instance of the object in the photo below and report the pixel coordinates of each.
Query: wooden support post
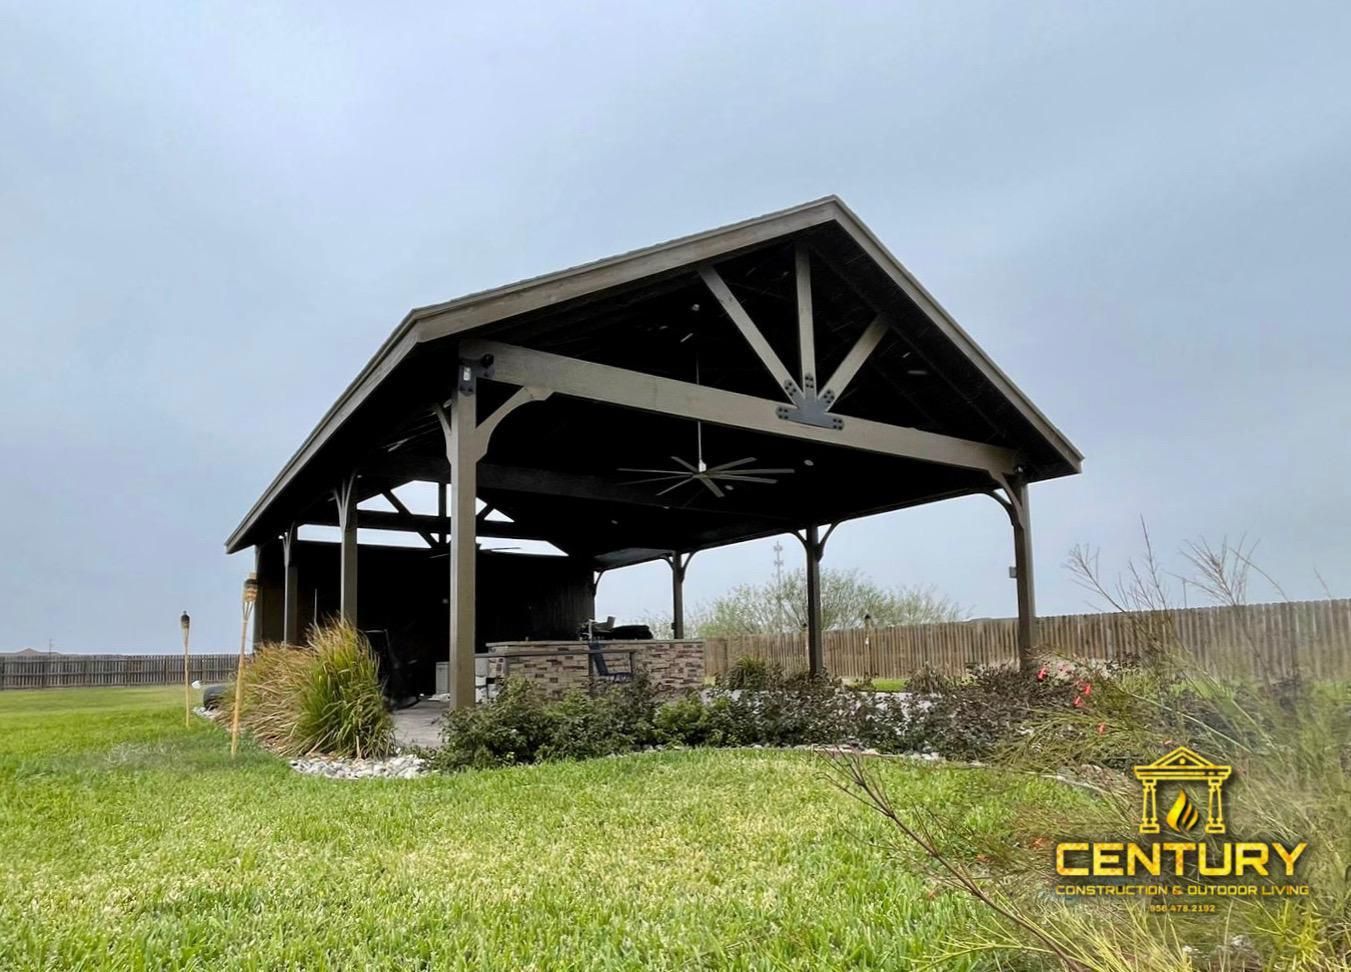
column 814, row 544
column 462, row 453
column 677, row 599
column 441, row 509
column 1021, row 515
column 678, row 561
column 816, row 656
column 346, row 497
column 466, row 441
column 1015, row 503
column 290, row 629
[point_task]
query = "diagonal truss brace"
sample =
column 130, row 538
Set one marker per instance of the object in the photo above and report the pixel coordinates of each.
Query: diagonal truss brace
column 810, row 403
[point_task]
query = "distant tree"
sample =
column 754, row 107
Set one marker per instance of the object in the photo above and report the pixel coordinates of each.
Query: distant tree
column 847, row 596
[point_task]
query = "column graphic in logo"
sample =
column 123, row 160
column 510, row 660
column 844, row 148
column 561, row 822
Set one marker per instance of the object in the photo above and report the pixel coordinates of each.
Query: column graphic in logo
column 1182, row 764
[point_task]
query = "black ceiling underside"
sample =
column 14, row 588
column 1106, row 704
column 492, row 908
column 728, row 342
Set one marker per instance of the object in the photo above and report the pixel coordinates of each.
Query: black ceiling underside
column 671, row 326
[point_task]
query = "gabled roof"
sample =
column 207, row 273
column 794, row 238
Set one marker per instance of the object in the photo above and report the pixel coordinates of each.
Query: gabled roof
column 484, row 309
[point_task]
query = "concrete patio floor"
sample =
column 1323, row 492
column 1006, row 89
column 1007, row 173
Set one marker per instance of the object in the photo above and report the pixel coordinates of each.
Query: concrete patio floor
column 420, row 725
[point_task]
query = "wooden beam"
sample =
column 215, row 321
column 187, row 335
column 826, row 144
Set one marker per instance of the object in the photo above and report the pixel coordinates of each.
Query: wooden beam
column 632, row 389
column 853, row 361
column 422, row 523
column 713, row 280
column 806, row 331
column 522, row 479
column 395, row 502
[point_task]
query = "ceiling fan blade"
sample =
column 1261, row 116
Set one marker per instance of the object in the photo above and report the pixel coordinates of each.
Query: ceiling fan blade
column 758, row 472
column 654, row 479
column 711, row 485
column 726, row 478
column 731, row 465
column 692, row 468
column 663, row 492
column 672, row 472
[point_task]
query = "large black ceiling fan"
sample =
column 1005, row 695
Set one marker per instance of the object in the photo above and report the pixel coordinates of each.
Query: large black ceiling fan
column 718, row 479
column 727, row 474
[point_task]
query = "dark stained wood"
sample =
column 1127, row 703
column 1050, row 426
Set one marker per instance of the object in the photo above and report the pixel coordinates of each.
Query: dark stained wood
column 404, row 591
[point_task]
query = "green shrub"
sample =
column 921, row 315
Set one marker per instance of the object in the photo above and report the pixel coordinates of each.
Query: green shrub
column 509, row 729
column 973, row 720
column 689, row 722
column 791, row 710
column 750, row 672
column 928, row 681
column 618, row 720
column 323, row 698
column 519, row 726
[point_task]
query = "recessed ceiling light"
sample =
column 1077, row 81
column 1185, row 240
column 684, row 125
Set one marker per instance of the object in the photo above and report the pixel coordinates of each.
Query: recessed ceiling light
column 808, row 462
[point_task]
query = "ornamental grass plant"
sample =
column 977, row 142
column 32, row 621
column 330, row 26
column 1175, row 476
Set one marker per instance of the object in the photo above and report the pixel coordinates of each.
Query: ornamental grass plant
column 320, row 698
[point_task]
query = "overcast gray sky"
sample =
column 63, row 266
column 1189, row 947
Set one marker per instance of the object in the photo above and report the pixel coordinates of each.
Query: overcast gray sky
column 210, row 216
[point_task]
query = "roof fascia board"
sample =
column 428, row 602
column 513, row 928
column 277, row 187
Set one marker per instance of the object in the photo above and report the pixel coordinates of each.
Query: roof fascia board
column 478, row 309
column 393, row 351
column 932, row 309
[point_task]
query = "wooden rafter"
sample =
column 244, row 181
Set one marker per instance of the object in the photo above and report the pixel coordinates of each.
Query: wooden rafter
column 853, row 361
column 424, row 523
column 713, row 280
column 806, row 328
column 395, row 502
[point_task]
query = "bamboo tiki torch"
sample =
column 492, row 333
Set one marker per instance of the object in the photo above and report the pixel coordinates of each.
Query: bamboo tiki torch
column 250, row 595
column 185, row 623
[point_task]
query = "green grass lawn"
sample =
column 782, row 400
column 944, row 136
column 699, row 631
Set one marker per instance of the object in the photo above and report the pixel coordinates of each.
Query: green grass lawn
column 131, row 842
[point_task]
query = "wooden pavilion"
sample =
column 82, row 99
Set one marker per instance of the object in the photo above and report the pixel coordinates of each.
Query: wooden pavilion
column 779, row 375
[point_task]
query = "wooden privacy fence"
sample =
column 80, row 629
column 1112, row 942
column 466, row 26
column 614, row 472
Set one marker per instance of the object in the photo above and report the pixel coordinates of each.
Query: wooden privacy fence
column 1313, row 636
column 69, row 671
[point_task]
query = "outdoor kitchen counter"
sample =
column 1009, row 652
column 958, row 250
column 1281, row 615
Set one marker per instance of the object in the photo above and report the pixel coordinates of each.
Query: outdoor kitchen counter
column 559, row 667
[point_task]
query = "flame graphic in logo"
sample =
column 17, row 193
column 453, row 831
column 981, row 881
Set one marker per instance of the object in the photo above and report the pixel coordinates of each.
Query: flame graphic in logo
column 1183, row 815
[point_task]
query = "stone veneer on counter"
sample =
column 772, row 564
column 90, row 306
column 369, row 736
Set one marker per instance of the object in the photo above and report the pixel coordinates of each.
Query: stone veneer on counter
column 559, row 667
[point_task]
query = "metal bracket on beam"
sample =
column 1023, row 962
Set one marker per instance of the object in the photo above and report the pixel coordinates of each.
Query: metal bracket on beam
column 809, row 408
column 471, row 370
